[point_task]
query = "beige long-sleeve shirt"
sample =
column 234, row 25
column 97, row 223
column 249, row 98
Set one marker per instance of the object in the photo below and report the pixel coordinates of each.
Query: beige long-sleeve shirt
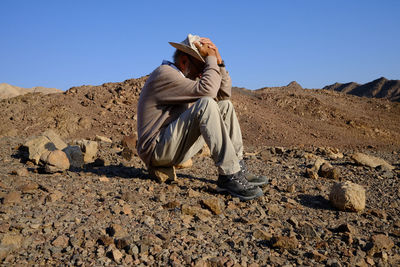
column 167, row 94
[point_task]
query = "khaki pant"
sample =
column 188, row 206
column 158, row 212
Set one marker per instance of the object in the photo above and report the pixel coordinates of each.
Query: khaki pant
column 206, row 121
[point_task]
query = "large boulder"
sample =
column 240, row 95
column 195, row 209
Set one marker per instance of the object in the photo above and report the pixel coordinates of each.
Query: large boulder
column 370, row 161
column 347, row 196
column 47, row 141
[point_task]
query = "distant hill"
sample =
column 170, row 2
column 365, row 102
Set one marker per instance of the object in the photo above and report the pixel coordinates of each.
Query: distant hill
column 379, row 88
column 7, row 90
column 291, row 86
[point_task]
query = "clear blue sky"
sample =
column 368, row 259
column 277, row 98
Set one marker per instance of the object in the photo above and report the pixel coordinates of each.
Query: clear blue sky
column 264, row 43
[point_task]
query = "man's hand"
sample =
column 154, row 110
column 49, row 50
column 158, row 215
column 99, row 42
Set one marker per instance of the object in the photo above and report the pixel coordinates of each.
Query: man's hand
column 207, row 41
column 205, row 50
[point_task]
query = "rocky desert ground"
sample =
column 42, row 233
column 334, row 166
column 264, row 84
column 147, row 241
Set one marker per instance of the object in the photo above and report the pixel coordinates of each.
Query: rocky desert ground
column 94, row 204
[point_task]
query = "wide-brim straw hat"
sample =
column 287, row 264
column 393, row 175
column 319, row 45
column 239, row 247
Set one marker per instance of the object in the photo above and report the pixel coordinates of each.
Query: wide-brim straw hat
column 187, row 46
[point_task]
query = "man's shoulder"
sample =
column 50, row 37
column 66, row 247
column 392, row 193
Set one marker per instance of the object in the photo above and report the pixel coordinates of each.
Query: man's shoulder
column 166, row 72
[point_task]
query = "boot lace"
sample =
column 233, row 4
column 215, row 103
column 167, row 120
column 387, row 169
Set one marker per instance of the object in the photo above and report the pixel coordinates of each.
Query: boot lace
column 243, row 167
column 241, row 179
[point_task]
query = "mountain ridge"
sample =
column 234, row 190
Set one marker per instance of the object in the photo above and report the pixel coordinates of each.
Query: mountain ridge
column 379, row 88
column 8, row 90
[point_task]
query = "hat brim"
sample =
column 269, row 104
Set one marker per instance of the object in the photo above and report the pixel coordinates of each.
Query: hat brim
column 188, row 50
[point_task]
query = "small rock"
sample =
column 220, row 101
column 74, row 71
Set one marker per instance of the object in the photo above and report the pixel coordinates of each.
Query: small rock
column 54, row 196
column 123, row 243
column 23, row 172
column 345, row 228
column 307, row 230
column 185, row 165
column 347, row 196
column 195, row 211
column 379, row 243
column 129, row 142
column 328, row 171
column 293, row 221
column 318, row 163
column 103, row 139
column 128, row 154
column 75, row 156
column 193, row 193
column 370, row 260
column 172, row 205
column 117, row 255
column 286, row 242
column 318, row 257
column 149, row 221
column 61, row 241
column 335, row 155
column 28, row 187
column 311, row 173
column 381, row 214
column 291, row 188
column 12, row 198
column 85, row 123
column 105, row 240
column 55, row 161
column 117, row 231
column 274, row 209
column 89, row 149
column 370, row 161
column 333, row 263
column 262, row 235
column 128, row 260
column 129, row 147
column 205, row 151
column 4, row 252
column 127, row 209
column 104, row 179
column 213, row 204
column 12, row 240
column 161, row 174
column 348, row 238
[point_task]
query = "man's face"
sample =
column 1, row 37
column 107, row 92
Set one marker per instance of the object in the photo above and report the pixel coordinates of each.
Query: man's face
column 194, row 68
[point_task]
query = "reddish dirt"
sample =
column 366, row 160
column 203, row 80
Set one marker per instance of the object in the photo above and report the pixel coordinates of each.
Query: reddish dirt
column 283, row 116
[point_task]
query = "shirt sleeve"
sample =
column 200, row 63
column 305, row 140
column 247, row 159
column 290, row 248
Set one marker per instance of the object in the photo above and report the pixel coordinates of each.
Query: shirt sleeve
column 173, row 88
column 225, row 91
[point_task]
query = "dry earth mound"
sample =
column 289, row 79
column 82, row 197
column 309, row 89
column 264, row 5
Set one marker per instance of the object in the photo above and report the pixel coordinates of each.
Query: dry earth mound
column 7, row 90
column 380, row 88
column 284, row 116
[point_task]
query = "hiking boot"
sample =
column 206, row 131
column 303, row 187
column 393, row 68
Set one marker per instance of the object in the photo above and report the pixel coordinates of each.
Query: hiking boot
column 252, row 178
column 237, row 185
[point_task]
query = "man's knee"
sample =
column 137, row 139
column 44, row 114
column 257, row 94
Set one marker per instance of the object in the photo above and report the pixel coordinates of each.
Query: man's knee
column 206, row 102
column 225, row 106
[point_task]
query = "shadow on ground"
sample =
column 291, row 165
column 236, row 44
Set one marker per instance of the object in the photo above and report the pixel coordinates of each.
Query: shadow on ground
column 315, row 202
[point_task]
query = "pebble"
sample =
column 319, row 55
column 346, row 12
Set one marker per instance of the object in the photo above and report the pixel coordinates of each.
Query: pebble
column 285, row 242
column 213, row 204
column 28, row 187
column 13, row 197
column 23, row 172
column 379, row 243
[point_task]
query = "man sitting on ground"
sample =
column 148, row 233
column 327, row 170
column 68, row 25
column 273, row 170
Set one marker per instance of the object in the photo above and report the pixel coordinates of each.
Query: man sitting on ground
column 185, row 104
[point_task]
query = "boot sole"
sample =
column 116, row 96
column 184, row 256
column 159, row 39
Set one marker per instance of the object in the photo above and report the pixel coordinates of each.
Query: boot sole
column 241, row 197
column 259, row 184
